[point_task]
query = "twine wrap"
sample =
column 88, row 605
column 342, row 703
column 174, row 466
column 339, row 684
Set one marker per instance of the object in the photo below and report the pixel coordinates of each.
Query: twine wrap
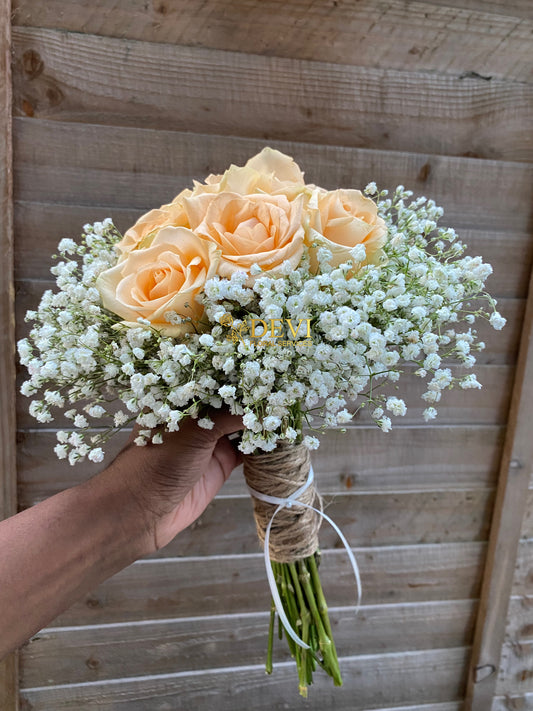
column 280, row 473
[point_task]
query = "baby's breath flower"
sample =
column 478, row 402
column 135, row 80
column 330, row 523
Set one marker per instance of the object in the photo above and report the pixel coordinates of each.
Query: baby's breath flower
column 429, row 413
column 497, row 321
column 96, row 454
column 311, row 442
column 352, row 327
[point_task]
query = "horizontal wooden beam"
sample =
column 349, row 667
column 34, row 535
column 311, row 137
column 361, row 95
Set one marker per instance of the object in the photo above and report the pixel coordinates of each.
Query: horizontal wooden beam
column 171, row 587
column 76, row 77
column 137, row 169
column 59, row 655
column 414, row 459
column 433, row 677
column 427, row 36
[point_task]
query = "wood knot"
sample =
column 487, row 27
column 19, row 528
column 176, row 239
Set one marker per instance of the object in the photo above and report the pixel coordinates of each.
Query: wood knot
column 32, row 64
column 93, row 602
column 424, row 173
column 54, row 95
column 92, row 663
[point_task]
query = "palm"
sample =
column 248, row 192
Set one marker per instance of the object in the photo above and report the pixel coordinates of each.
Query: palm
column 176, row 480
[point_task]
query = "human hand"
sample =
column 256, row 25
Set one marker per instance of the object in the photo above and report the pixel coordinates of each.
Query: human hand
column 173, row 482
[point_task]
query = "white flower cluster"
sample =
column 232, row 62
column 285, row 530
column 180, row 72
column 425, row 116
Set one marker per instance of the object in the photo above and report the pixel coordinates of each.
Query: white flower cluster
column 291, row 351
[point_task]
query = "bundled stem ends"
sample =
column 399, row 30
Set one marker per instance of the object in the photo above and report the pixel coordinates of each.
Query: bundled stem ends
column 293, row 549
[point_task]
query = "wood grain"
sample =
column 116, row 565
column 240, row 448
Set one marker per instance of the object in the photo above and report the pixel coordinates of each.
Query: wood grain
column 175, row 587
column 80, row 654
column 523, row 574
column 90, row 78
column 515, row 674
column 40, row 226
column 425, row 37
column 366, row 519
column 512, row 702
column 227, row 527
column 527, row 521
column 514, row 8
column 399, row 678
column 134, row 168
column 409, row 459
column 520, row 619
column 509, row 511
column 8, row 471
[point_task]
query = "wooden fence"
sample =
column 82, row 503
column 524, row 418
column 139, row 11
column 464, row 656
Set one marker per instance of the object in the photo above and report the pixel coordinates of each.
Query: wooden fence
column 117, row 105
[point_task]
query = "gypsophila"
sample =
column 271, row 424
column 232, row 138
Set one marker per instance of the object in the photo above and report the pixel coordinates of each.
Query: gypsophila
column 304, row 347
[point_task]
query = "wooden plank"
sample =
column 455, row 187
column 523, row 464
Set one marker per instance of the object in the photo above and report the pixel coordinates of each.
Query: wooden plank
column 90, row 78
column 520, row 619
column 8, row 470
column 509, row 510
column 501, row 347
column 80, row 654
column 180, row 587
column 227, row 527
column 370, row 680
column 386, row 34
column 51, row 222
column 514, row 8
column 514, row 702
column 527, row 522
column 365, row 519
column 414, row 459
column 523, row 567
column 121, row 167
column 516, row 668
column 514, row 674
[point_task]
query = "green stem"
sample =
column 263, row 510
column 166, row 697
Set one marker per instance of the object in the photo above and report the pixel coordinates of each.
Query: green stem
column 270, row 638
column 325, row 642
column 320, row 598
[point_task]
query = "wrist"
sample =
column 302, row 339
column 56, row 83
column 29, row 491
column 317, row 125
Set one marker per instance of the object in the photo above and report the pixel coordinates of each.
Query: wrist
column 120, row 497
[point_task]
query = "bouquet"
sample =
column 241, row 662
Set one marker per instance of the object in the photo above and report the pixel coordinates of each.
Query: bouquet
column 291, row 305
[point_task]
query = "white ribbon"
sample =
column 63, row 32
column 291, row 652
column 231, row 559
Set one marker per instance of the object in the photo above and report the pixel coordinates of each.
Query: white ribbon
column 293, row 500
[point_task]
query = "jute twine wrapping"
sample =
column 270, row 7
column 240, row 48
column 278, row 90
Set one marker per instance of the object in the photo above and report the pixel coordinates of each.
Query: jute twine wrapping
column 294, row 532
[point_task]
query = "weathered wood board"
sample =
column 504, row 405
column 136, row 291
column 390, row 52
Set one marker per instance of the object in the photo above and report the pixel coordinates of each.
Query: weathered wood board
column 371, row 680
column 90, row 78
column 71, row 655
column 8, row 472
column 171, row 587
column 133, row 168
column 421, row 36
column 409, row 459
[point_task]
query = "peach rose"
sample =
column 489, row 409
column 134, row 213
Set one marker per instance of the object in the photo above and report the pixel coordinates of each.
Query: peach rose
column 145, row 229
column 342, row 219
column 270, row 171
column 249, row 229
column 166, row 276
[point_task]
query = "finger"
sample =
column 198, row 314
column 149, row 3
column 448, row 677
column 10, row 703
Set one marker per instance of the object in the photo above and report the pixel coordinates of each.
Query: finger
column 226, row 456
column 225, row 423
